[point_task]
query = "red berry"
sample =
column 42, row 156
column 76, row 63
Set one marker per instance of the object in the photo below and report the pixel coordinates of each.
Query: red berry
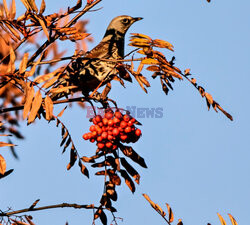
column 109, row 115
column 123, row 124
column 120, row 129
column 105, row 121
column 104, row 135
column 85, row 136
column 126, row 117
column 100, row 145
column 94, row 121
column 92, row 128
column 138, row 132
column 116, row 120
column 94, row 134
column 104, row 129
column 99, row 138
column 98, row 118
column 127, row 130
column 99, row 131
column 110, row 137
column 133, row 120
column 115, row 147
column 110, row 123
column 92, row 140
column 124, row 137
column 115, row 132
column 118, row 115
column 100, row 124
column 130, row 123
column 89, row 135
column 109, row 144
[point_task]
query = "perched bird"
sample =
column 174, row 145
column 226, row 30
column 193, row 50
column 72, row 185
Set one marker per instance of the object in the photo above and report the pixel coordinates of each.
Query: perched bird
column 88, row 72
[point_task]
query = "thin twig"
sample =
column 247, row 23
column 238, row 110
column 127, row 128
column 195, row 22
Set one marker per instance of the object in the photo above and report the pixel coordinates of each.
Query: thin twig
column 63, row 205
column 56, row 35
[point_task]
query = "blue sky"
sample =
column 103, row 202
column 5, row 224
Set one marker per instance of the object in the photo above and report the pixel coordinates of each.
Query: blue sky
column 198, row 161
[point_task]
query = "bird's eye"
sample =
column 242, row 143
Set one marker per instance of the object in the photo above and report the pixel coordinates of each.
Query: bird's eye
column 125, row 21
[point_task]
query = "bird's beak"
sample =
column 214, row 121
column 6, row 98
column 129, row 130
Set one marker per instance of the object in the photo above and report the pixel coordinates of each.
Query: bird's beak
column 137, row 18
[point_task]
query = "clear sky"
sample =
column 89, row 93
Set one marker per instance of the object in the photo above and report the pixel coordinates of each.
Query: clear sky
column 198, row 161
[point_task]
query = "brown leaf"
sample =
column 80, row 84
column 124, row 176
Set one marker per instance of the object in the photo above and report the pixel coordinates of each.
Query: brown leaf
column 163, row 44
column 33, row 68
column 61, row 113
column 48, row 108
column 149, row 200
column 44, row 27
column 6, row 9
column 8, row 172
column 150, row 61
column 170, row 214
column 2, row 165
column 11, row 66
column 42, row 7
column 83, row 169
column 23, row 63
column 130, row 170
column 187, row 71
column 103, row 218
column 209, row 98
column 179, row 222
column 140, row 36
column 128, row 180
column 98, row 213
column 29, row 98
column 129, row 152
column 233, row 221
column 73, row 157
column 153, row 68
column 223, row 222
column 4, row 144
column 62, row 89
column 36, row 104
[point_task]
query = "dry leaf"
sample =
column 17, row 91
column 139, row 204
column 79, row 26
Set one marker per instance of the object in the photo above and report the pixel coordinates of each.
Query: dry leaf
column 48, row 108
column 23, row 63
column 36, row 104
column 223, row 222
column 4, row 144
column 42, row 7
column 233, row 221
column 170, row 214
column 2, row 165
column 29, row 98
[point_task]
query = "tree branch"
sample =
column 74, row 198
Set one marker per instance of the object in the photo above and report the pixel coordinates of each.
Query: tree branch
column 56, row 35
column 63, row 205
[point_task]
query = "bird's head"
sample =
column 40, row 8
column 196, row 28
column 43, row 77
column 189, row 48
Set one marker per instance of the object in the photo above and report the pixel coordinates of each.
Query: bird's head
column 120, row 24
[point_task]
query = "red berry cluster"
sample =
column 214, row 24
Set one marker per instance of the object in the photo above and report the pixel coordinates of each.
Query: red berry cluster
column 111, row 129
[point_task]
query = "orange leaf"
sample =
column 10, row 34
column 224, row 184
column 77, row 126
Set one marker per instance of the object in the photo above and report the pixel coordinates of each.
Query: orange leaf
column 209, row 98
column 233, row 221
column 28, row 102
column 48, row 108
column 36, row 104
column 4, row 144
column 42, row 7
column 140, row 36
column 162, row 44
column 149, row 61
column 223, row 222
column 62, row 89
column 44, row 27
column 2, row 165
column 23, row 63
column 170, row 214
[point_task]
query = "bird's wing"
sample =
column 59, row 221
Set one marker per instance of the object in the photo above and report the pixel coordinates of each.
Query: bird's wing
column 103, row 50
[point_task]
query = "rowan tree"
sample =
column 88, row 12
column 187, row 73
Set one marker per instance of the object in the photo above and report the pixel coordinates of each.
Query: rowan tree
column 31, row 87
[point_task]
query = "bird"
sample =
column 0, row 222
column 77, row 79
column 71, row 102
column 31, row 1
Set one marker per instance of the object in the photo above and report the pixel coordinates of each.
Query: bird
column 98, row 65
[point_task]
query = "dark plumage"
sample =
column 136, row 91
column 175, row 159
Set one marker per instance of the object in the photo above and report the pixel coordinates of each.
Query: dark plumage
column 88, row 72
